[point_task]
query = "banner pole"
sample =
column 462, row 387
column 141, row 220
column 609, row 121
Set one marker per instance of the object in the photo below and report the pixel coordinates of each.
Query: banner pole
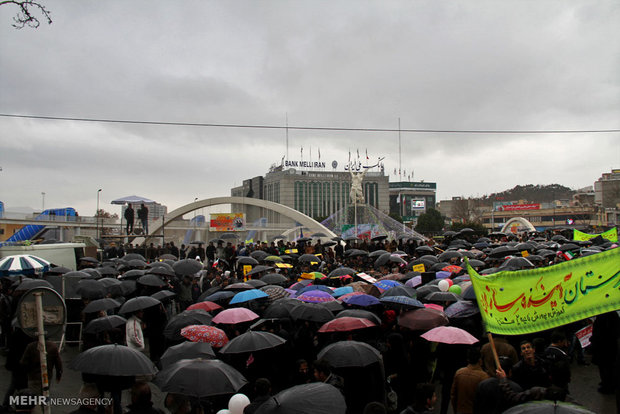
column 42, row 351
column 495, row 357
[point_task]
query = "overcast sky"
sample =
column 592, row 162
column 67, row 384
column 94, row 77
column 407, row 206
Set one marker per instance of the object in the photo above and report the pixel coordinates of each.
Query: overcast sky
column 438, row 65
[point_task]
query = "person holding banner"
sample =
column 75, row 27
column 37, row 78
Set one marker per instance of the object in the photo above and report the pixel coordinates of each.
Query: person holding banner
column 530, row 371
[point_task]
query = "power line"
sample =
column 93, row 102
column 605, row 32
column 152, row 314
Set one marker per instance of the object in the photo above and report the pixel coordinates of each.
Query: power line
column 310, row 128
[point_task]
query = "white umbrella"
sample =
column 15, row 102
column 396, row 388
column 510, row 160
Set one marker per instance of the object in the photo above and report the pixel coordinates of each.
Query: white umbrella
column 23, row 264
column 133, row 199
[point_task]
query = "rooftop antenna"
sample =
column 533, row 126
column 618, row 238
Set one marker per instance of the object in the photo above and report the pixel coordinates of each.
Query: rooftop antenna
column 399, row 154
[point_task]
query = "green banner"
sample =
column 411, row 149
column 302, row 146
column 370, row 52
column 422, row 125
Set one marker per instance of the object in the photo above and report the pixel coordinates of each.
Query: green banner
column 525, row 301
column 611, row 235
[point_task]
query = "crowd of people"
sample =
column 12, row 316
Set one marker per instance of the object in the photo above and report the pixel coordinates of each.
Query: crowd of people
column 412, row 372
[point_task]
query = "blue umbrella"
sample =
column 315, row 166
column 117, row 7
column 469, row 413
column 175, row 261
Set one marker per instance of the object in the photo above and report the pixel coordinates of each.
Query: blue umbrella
column 342, row 291
column 401, row 301
column 248, row 295
column 387, row 284
column 314, row 287
column 362, row 300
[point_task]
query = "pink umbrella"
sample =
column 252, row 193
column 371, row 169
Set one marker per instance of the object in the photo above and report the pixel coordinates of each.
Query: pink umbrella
column 206, row 306
column 346, row 324
column 204, row 333
column 235, row 315
column 414, row 281
column 449, row 335
column 434, row 306
column 315, row 296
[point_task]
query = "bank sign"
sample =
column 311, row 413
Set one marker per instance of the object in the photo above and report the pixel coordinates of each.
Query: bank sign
column 304, row 164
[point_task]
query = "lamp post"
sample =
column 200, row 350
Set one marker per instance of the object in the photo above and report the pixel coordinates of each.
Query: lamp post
column 97, row 213
column 195, row 199
column 42, row 201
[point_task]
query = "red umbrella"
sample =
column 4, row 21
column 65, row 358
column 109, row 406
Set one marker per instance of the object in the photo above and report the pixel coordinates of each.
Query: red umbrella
column 206, row 306
column 346, row 324
column 422, row 319
column 449, row 335
column 233, row 316
column 453, row 269
column 204, row 333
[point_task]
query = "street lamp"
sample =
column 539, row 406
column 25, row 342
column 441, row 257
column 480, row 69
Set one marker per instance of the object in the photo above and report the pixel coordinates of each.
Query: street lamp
column 195, row 199
column 97, row 213
column 42, row 201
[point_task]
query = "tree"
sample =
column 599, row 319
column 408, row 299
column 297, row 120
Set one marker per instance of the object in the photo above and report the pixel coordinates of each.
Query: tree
column 430, row 222
column 27, row 14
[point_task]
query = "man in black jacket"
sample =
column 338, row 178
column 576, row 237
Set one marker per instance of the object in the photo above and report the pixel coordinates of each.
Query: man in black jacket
column 129, row 216
column 143, row 215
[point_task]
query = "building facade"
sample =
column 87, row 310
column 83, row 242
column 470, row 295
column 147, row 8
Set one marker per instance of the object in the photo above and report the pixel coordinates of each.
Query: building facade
column 317, row 193
column 411, row 199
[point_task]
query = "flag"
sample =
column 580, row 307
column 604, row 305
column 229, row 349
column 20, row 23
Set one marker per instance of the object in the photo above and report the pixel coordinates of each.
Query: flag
column 367, row 154
column 249, row 361
column 302, row 152
column 319, row 154
column 398, row 199
column 394, row 171
column 358, row 154
column 568, row 255
column 533, row 300
column 216, row 262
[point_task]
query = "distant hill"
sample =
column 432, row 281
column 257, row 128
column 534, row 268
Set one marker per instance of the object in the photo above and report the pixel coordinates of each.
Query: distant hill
column 531, row 193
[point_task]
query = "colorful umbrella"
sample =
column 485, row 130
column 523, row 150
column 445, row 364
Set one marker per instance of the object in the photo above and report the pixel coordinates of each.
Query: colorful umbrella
column 188, row 317
column 248, row 295
column 234, row 316
column 434, row 306
column 312, row 275
column 315, row 296
column 342, row 291
column 404, row 302
column 204, row 333
column 449, row 335
column 346, row 324
column 386, row 284
column 205, row 306
column 315, row 287
column 362, row 300
column 23, row 264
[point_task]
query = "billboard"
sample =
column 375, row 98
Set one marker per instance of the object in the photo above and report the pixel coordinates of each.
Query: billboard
column 418, row 204
column 227, row 222
column 519, row 207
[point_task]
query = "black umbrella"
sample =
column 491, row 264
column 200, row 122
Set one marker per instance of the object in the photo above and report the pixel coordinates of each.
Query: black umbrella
column 359, row 313
column 186, row 350
column 441, row 297
column 303, row 239
column 351, row 238
column 163, row 294
column 28, row 284
column 516, row 263
column 426, row 290
column 569, row 247
column 386, row 258
column 91, row 289
column 256, row 283
column 311, row 312
column 280, row 309
column 59, row 270
column 136, row 263
column 259, row 255
column 189, row 317
column 258, row 269
column 329, row 243
column 107, row 271
column 377, row 253
column 167, row 257
column 379, row 237
column 132, row 274
column 274, row 279
column 117, row 360
column 548, row 407
column 502, row 251
column 78, row 274
column 105, row 323
column 187, row 267
column 138, row 303
column 439, row 266
column 476, row 263
column 349, row 354
column 308, row 258
column 161, row 271
column 200, row 378
column 101, row 305
column 133, row 256
column 334, row 306
column 424, row 249
column 247, row 260
column 355, row 253
column 342, row 271
column 252, row 341
column 449, row 254
column 400, row 291
column 151, row 280
column 313, row 398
